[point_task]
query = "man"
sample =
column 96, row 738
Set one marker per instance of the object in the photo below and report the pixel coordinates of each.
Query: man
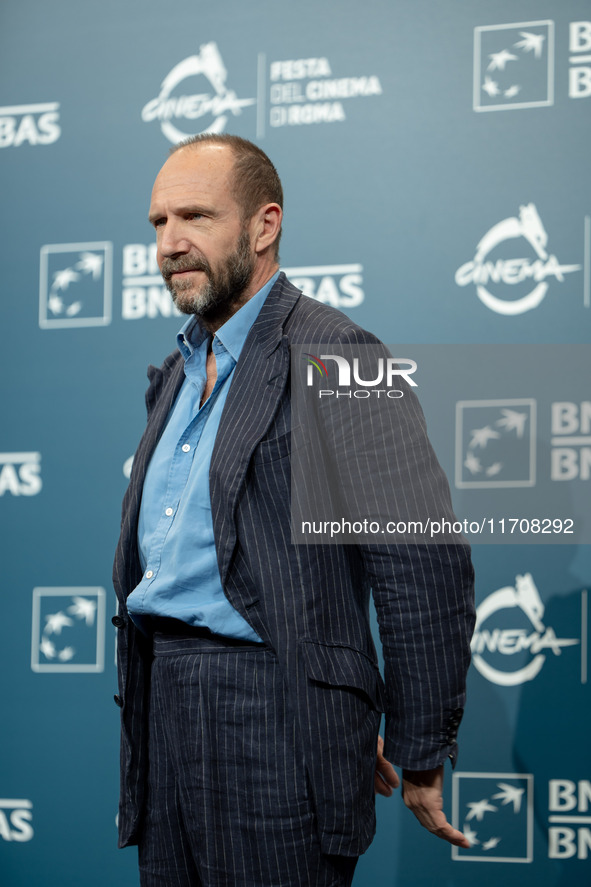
column 249, row 690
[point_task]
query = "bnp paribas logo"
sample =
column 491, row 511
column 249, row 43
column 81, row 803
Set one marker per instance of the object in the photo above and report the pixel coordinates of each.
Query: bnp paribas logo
column 75, row 285
column 514, row 66
column 68, row 630
column 495, row 812
column 495, row 443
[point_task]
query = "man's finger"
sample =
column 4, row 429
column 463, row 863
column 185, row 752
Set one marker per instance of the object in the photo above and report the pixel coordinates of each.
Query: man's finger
column 422, row 794
column 438, row 825
column 386, row 778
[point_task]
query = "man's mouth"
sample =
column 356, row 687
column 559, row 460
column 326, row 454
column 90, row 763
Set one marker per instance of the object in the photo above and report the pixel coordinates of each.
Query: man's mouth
column 169, row 272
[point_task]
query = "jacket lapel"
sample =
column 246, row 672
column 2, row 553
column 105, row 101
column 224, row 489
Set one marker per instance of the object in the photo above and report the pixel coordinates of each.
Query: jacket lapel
column 258, row 386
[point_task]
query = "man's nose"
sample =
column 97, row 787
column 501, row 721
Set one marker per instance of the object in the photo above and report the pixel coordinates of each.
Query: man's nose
column 172, row 241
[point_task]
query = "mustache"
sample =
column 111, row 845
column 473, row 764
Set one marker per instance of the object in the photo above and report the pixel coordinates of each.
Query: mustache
column 183, row 263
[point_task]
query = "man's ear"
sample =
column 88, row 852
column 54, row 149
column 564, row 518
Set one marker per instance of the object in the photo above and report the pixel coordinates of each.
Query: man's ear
column 266, row 225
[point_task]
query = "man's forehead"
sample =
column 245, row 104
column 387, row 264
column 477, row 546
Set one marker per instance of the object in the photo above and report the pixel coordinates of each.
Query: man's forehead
column 207, row 163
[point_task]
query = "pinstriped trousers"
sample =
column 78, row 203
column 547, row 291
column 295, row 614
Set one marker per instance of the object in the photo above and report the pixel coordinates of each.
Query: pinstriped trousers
column 228, row 801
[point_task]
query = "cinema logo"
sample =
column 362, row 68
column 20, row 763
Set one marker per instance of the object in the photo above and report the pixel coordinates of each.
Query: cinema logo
column 16, row 815
column 388, row 371
column 206, row 108
column 513, row 285
column 20, row 474
column 29, row 124
column 511, row 640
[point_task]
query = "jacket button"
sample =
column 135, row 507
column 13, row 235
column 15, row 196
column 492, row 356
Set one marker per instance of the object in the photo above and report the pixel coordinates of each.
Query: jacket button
column 118, row 621
column 118, row 700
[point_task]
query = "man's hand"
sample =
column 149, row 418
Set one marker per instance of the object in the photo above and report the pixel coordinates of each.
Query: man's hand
column 386, row 778
column 422, row 793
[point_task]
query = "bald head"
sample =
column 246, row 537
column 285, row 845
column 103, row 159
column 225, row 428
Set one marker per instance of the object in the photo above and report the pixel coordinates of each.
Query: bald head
column 255, row 180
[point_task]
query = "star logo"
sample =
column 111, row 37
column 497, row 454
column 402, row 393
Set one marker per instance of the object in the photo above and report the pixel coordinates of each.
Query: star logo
column 481, row 436
column 478, row 809
column 510, row 794
column 498, row 60
column 495, row 813
column 68, row 630
column 513, row 66
column 495, row 443
column 75, row 285
column 531, row 43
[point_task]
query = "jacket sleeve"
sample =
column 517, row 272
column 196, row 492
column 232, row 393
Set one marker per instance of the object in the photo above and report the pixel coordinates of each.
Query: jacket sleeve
column 372, row 470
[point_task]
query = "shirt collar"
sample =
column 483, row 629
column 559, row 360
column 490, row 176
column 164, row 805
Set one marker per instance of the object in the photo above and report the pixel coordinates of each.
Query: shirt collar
column 232, row 334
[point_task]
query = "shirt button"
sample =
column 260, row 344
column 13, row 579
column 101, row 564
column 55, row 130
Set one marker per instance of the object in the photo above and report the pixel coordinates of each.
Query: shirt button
column 168, row 512
column 149, row 574
column 186, row 448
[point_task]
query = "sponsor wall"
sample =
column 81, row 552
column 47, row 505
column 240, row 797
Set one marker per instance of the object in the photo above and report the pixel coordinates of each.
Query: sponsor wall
column 435, row 163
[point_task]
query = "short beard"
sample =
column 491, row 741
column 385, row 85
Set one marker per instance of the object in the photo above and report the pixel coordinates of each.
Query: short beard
column 219, row 297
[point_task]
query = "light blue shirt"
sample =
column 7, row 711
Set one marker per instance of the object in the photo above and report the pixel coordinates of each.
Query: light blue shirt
column 175, row 532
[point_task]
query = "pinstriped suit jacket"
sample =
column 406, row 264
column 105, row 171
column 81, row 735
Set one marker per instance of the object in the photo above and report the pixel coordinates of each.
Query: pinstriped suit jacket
column 310, row 602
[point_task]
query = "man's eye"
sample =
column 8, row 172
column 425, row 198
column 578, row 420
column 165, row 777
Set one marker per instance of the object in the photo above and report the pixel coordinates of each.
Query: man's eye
column 157, row 223
column 195, row 216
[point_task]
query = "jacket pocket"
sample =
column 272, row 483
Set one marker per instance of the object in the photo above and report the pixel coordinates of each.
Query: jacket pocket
column 340, row 716
column 336, row 665
column 271, row 449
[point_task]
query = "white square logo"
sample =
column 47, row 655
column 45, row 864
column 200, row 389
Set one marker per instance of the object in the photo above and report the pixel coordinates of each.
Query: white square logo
column 68, row 630
column 514, row 66
column 495, row 443
column 495, row 813
column 75, row 285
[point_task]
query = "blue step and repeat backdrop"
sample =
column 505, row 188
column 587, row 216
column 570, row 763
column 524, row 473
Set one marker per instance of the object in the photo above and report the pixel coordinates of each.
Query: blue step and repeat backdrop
column 435, row 158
